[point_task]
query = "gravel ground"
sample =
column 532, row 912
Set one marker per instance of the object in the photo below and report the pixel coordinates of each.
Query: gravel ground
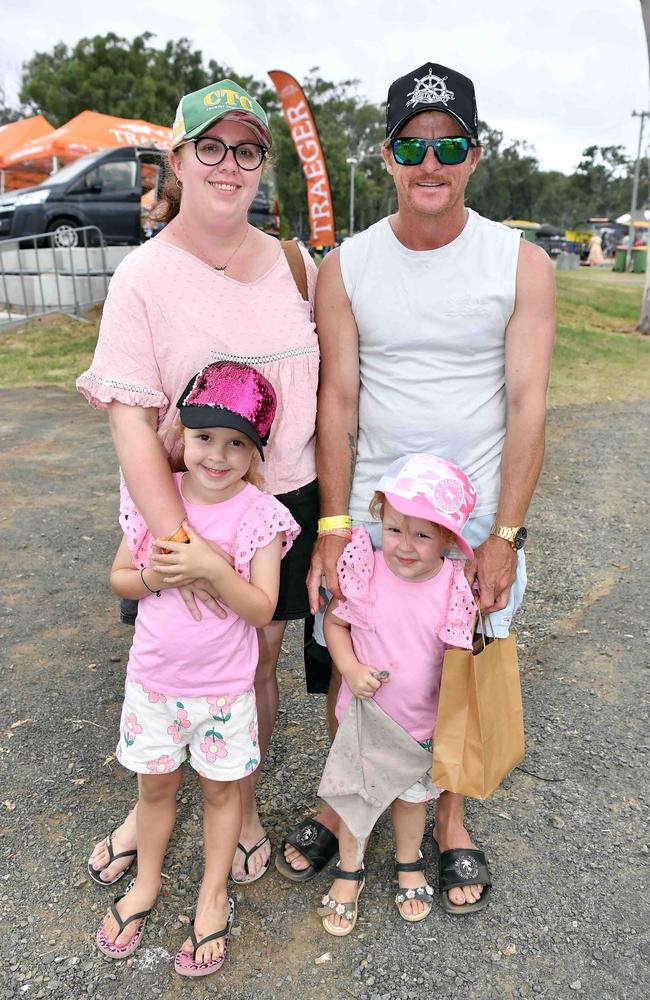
column 566, row 834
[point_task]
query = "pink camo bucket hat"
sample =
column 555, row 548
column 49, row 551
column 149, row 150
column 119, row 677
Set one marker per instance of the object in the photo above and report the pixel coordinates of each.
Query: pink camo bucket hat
column 432, row 488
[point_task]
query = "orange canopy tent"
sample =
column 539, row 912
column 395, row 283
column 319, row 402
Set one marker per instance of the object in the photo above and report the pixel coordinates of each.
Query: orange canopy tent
column 17, row 134
column 83, row 134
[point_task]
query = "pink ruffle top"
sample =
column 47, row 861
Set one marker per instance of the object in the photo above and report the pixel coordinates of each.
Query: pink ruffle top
column 404, row 627
column 172, row 652
column 168, row 314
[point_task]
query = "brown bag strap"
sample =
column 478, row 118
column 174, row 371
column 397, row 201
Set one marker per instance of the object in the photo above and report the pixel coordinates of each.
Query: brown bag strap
column 483, row 620
column 296, row 263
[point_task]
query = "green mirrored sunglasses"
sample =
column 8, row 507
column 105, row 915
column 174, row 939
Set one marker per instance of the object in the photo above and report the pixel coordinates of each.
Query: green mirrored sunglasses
column 449, row 150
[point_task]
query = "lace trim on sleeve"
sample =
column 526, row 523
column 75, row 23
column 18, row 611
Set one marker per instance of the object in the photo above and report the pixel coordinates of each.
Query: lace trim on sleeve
column 458, row 627
column 138, row 537
column 355, row 569
column 99, row 392
column 265, row 518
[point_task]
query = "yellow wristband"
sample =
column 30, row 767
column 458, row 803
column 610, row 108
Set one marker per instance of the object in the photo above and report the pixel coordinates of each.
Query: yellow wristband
column 337, row 521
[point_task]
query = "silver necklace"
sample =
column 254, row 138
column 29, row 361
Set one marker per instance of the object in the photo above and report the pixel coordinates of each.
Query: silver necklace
column 215, row 267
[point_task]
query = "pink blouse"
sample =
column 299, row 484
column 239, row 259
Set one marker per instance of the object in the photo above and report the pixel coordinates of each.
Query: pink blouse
column 168, row 314
column 171, row 651
column 402, row 626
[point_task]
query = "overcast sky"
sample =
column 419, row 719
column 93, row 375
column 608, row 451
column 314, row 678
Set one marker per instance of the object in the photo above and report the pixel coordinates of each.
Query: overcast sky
column 562, row 74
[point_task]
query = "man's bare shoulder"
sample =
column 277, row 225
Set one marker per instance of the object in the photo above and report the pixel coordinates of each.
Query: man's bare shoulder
column 534, row 313
column 330, row 281
column 534, row 263
column 331, row 261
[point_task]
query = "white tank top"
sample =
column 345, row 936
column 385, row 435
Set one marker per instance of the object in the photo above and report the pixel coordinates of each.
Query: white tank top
column 432, row 351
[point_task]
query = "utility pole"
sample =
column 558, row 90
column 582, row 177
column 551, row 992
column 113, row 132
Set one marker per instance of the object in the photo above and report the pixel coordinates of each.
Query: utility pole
column 354, row 162
column 644, row 320
column 635, row 187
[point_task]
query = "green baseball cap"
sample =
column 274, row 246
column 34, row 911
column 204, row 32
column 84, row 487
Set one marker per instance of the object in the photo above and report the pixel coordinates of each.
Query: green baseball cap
column 199, row 110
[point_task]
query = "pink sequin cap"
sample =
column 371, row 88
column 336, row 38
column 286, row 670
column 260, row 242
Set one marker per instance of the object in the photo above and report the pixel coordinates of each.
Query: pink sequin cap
column 227, row 394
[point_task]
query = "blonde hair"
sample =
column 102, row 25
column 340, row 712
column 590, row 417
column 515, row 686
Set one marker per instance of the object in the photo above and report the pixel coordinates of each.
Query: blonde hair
column 377, row 505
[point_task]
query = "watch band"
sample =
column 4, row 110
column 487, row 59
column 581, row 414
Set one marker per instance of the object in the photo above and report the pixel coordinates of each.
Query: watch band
column 511, row 535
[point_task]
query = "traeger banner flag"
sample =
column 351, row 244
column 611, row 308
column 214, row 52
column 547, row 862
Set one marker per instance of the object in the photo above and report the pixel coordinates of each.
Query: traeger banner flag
column 305, row 138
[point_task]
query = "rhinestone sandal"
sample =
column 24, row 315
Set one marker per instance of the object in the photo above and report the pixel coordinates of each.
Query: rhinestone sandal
column 350, row 911
column 422, row 893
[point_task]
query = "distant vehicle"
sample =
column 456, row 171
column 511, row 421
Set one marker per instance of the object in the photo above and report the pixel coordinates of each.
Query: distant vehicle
column 103, row 189
column 113, row 189
column 528, row 228
column 554, row 244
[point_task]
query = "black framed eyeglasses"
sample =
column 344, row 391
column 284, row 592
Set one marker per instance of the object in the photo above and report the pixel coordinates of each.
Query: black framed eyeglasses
column 449, row 150
column 211, row 152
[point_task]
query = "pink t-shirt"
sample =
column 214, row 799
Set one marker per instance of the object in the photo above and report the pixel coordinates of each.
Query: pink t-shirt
column 168, row 314
column 404, row 627
column 172, row 652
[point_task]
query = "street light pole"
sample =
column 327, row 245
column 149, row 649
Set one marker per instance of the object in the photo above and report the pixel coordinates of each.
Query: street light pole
column 352, row 160
column 635, row 188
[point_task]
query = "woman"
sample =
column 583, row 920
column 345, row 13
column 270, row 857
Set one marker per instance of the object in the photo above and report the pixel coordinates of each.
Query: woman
column 596, row 257
column 210, row 287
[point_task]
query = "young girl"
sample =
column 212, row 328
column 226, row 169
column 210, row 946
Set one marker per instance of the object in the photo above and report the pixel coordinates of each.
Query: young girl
column 403, row 607
column 189, row 685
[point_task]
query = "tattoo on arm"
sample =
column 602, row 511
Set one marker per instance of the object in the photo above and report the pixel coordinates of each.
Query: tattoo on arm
column 352, row 444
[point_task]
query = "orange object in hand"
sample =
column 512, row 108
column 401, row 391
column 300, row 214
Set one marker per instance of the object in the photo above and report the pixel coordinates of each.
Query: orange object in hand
column 180, row 535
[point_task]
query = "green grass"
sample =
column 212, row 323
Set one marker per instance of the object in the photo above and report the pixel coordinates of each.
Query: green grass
column 52, row 350
column 596, row 296
column 598, row 354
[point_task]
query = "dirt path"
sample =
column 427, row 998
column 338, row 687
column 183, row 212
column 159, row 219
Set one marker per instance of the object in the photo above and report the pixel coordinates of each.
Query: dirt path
column 566, row 837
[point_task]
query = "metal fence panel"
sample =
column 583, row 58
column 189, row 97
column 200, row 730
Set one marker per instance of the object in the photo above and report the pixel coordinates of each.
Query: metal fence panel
column 38, row 276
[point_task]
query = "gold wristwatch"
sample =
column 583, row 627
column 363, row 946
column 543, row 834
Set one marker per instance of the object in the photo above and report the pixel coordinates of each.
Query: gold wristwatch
column 514, row 536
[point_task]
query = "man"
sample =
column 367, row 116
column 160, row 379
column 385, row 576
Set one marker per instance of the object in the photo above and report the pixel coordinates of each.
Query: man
column 436, row 329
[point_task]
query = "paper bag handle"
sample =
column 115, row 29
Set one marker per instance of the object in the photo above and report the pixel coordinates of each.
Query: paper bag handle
column 483, row 621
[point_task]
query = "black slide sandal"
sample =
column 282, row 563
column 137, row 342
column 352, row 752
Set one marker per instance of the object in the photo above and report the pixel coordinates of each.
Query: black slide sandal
column 461, row 867
column 315, row 842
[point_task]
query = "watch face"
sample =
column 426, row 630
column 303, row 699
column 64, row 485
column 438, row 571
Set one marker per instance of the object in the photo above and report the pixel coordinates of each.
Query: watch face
column 520, row 538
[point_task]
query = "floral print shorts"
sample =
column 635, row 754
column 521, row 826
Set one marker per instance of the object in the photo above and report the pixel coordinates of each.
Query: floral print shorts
column 159, row 730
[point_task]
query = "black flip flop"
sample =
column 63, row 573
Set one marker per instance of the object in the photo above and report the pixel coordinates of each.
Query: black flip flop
column 247, row 856
column 96, row 872
column 315, row 842
column 116, row 951
column 185, row 964
column 461, row 867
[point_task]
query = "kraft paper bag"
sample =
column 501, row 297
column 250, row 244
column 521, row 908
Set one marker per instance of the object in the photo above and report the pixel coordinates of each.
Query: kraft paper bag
column 479, row 734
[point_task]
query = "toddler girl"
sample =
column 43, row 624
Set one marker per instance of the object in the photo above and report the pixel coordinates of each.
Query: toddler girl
column 189, row 685
column 403, row 607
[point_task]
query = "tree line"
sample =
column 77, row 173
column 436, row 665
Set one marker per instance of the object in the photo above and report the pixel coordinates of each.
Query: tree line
column 135, row 79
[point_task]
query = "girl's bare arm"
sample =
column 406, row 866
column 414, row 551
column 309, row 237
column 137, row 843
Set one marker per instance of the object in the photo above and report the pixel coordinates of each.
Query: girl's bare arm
column 126, row 580
column 358, row 676
column 255, row 602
